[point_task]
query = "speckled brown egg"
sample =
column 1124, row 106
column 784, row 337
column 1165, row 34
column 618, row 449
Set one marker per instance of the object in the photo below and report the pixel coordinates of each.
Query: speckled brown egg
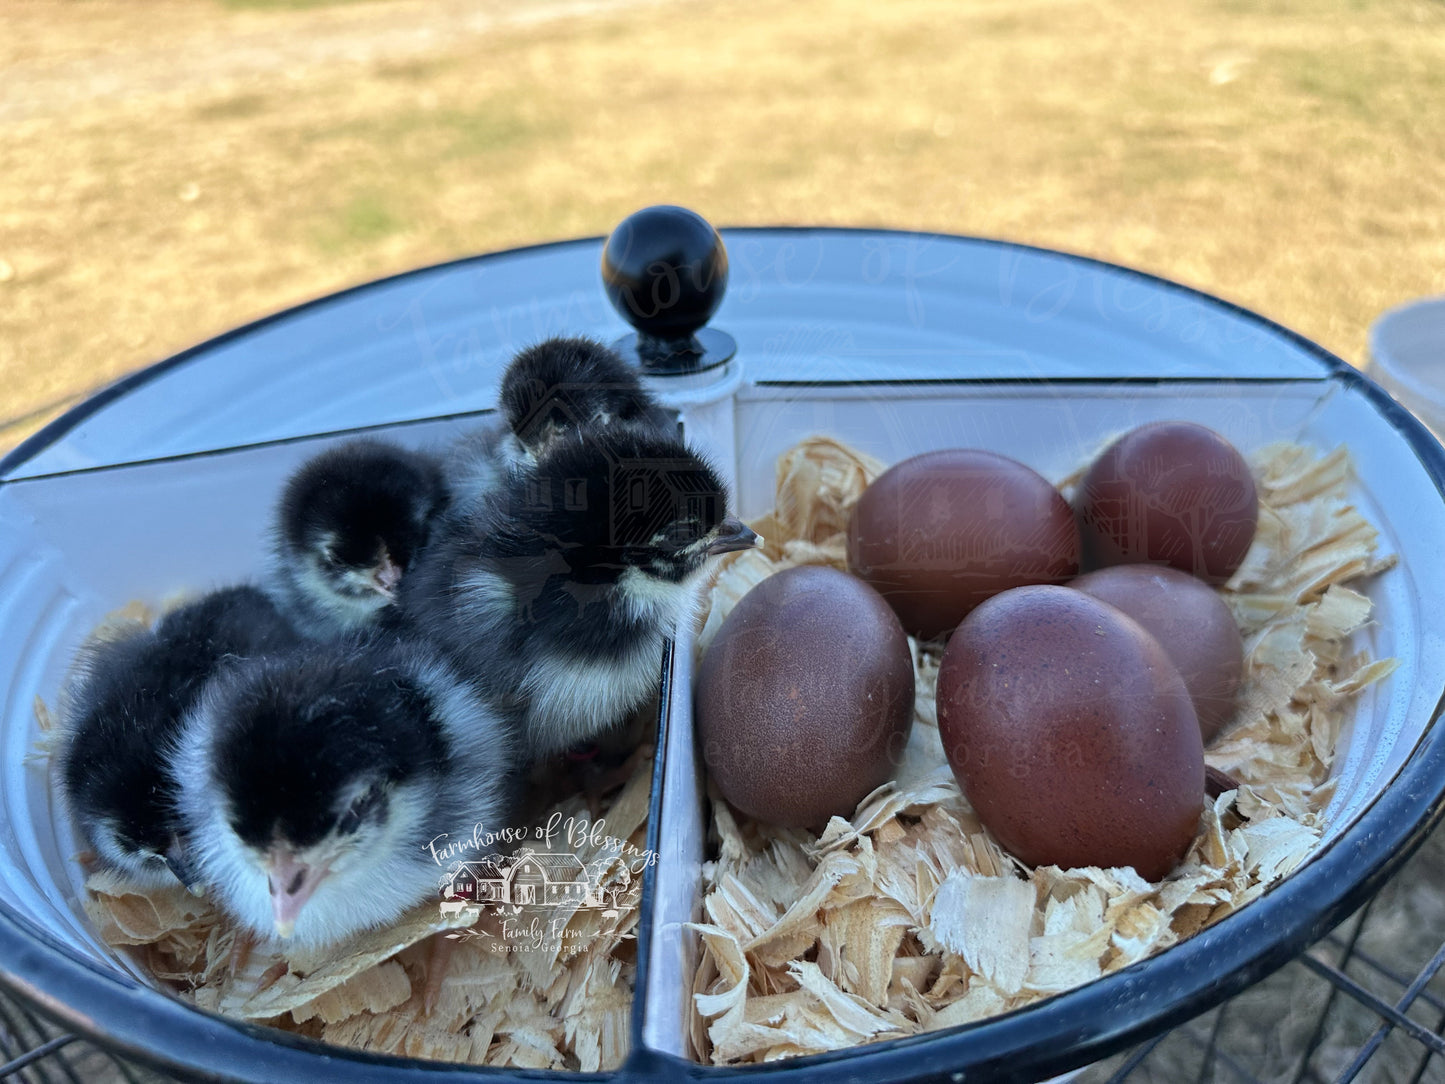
column 804, row 700
column 939, row 533
column 1191, row 623
column 1071, row 733
column 1171, row 493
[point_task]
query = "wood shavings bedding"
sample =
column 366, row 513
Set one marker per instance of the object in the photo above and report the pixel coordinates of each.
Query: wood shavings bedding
column 908, row 917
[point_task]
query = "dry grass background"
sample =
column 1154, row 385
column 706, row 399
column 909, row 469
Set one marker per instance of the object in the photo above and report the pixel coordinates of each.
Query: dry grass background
column 170, row 168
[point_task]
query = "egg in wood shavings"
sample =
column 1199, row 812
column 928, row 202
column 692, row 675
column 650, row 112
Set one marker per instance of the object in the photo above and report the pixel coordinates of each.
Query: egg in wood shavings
column 1172, row 493
column 1192, row 624
column 804, row 699
column 940, row 532
column 1071, row 732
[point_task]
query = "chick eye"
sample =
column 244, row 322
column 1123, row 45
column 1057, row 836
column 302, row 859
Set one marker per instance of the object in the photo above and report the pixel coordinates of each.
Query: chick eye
column 351, row 820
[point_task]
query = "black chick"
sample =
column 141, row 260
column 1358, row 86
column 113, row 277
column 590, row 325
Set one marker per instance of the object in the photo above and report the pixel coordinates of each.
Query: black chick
column 564, row 385
column 124, row 706
column 557, row 595
column 322, row 788
column 556, row 387
column 349, row 524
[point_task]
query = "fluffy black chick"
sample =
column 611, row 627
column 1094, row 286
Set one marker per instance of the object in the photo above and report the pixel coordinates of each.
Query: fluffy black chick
column 321, row 786
column 349, row 524
column 564, row 385
column 556, row 595
column 124, row 706
column 557, row 387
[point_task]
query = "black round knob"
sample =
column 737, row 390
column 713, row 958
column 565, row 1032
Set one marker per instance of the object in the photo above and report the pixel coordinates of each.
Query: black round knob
column 665, row 270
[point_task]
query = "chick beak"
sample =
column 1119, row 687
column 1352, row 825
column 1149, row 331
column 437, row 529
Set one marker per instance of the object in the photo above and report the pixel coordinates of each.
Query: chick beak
column 386, row 576
column 291, row 882
column 733, row 534
column 176, row 862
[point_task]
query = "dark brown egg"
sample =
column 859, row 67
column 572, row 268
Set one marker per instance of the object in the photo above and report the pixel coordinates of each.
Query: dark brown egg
column 1191, row 623
column 1171, row 493
column 1071, row 733
column 939, row 533
column 804, row 700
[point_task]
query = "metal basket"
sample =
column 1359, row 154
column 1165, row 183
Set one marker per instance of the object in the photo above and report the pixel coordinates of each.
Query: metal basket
column 900, row 341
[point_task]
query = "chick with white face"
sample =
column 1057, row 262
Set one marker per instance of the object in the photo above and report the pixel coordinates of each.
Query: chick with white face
column 313, row 783
column 124, row 706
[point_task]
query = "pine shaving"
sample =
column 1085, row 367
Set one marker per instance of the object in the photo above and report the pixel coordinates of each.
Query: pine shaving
column 908, row 917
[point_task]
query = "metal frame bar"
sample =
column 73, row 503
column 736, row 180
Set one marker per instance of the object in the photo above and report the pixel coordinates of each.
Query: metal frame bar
column 35, row 1053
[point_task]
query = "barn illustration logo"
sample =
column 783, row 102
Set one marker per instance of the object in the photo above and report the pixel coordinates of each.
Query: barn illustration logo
column 508, row 883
